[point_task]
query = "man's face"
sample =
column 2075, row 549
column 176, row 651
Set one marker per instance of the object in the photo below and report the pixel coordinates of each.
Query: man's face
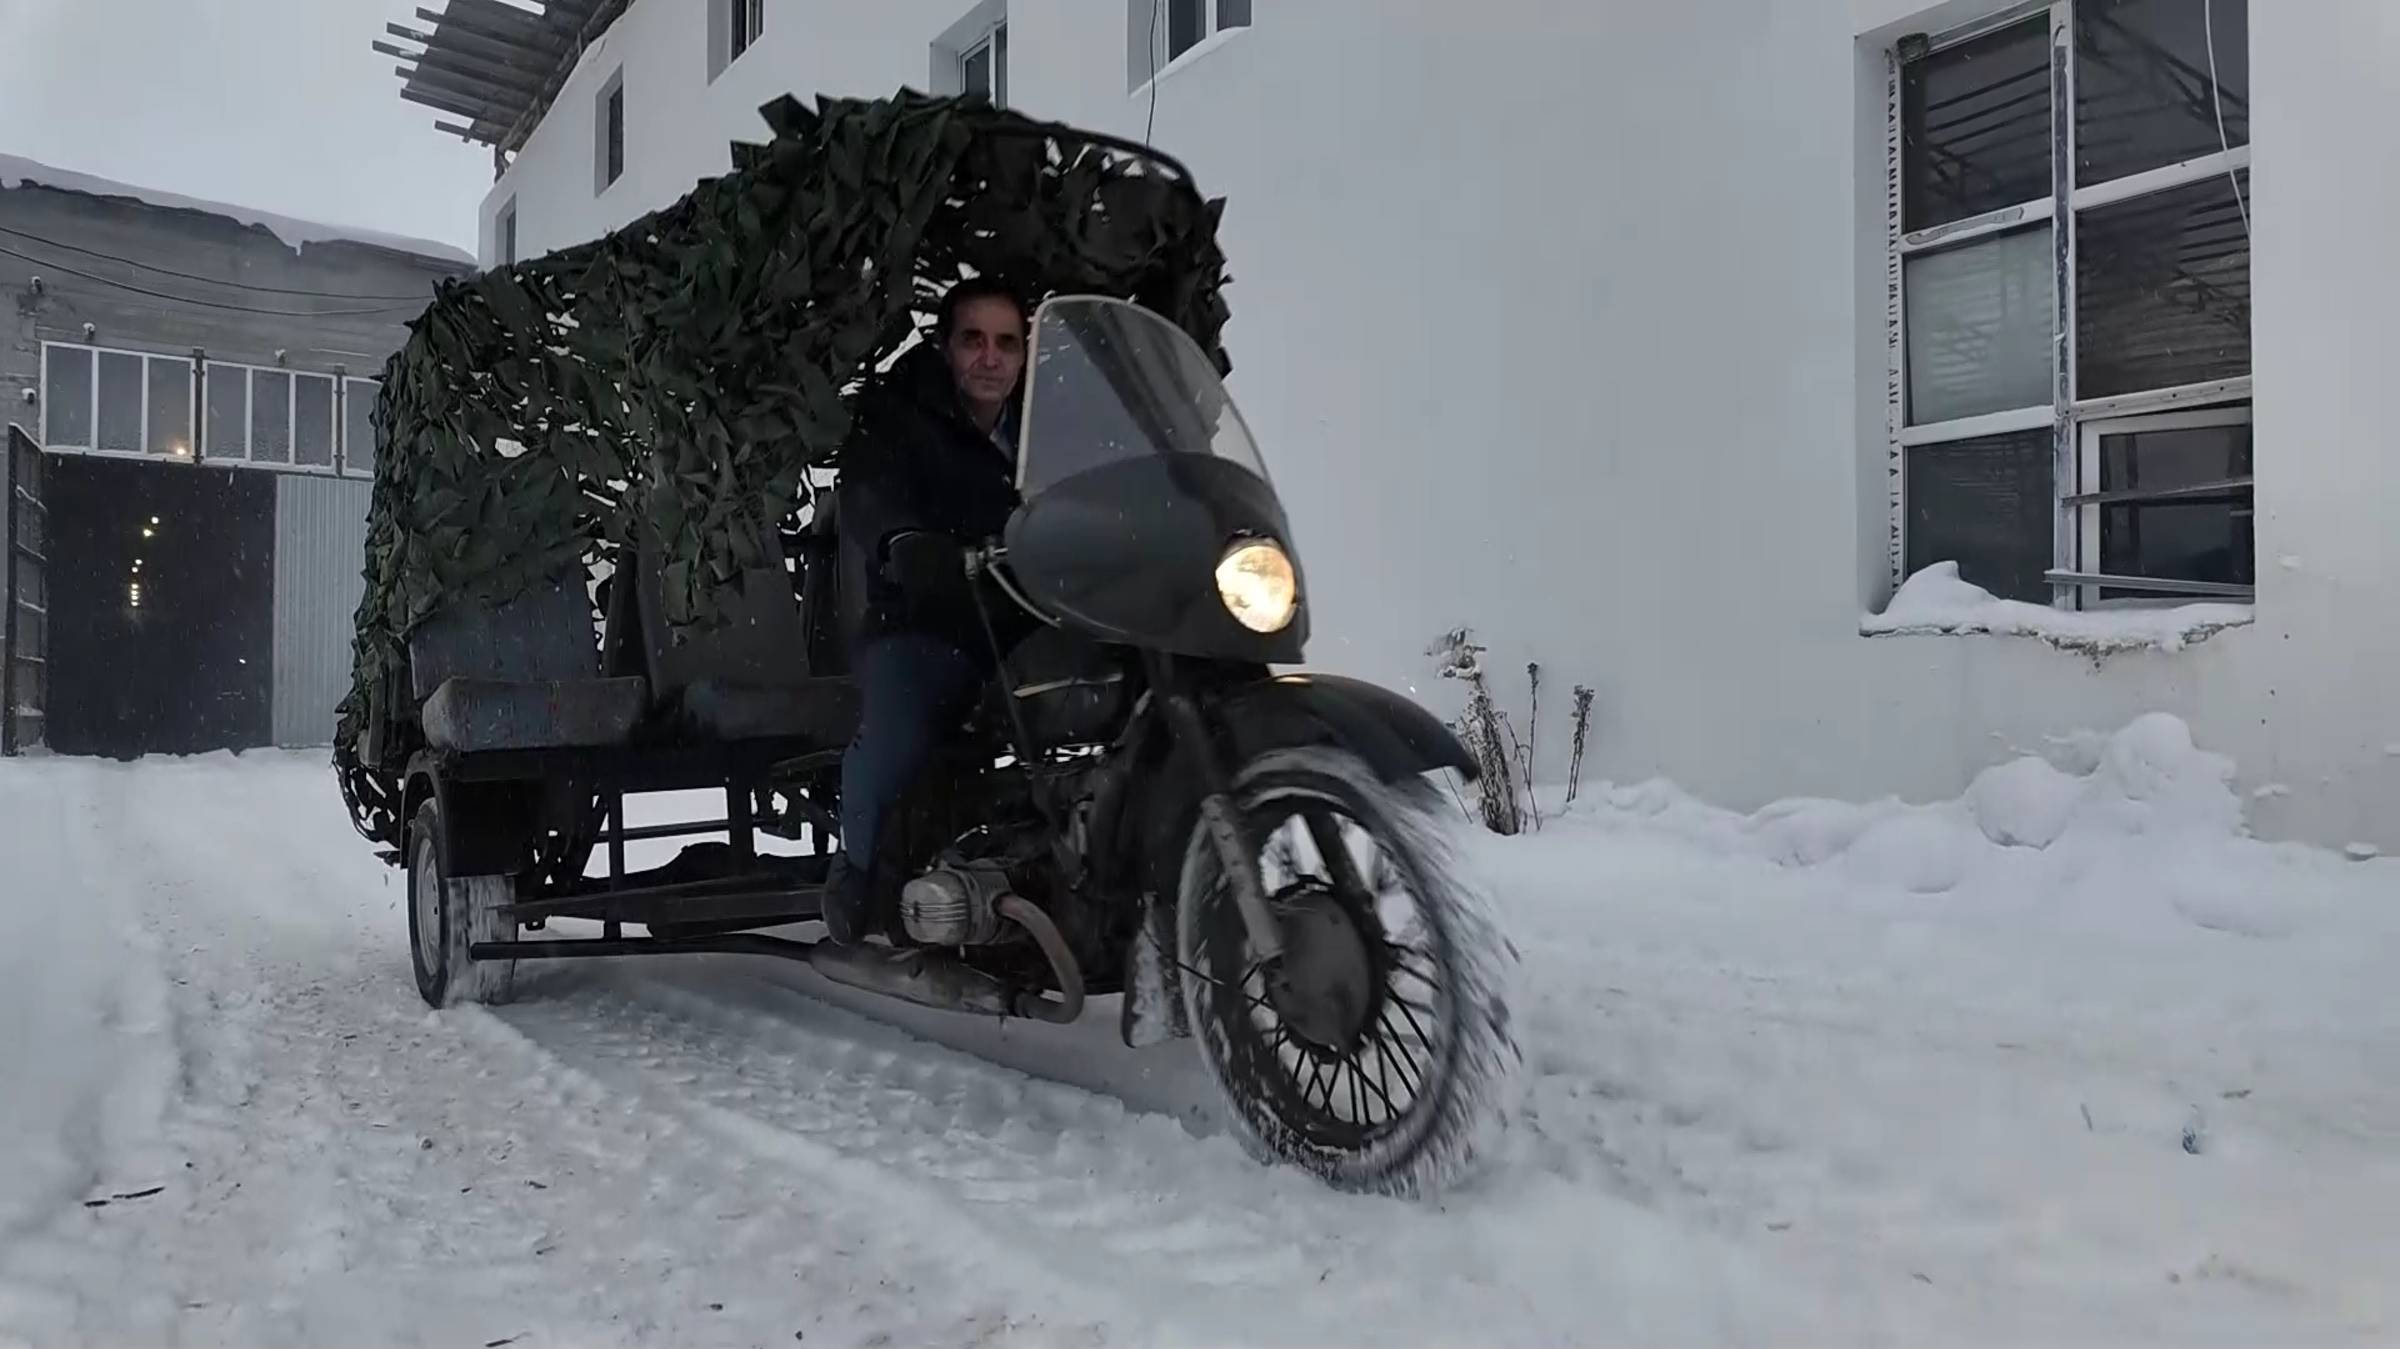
column 987, row 350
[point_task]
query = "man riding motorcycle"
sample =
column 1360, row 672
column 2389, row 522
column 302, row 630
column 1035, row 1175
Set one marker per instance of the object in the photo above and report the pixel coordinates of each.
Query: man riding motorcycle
column 931, row 463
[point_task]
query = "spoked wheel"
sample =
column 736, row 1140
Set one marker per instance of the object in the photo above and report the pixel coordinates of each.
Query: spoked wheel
column 1370, row 1051
column 447, row 913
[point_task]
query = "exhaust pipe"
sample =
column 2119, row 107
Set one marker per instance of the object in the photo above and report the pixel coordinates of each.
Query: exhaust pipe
column 933, row 978
column 1062, row 963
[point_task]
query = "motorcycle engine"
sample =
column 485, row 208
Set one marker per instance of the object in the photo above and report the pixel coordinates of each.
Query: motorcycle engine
column 954, row 906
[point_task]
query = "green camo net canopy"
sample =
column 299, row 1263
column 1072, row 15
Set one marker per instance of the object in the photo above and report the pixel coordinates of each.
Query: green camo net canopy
column 696, row 364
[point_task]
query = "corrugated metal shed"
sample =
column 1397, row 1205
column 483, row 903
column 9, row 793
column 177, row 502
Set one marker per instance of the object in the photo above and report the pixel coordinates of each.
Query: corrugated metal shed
column 320, row 543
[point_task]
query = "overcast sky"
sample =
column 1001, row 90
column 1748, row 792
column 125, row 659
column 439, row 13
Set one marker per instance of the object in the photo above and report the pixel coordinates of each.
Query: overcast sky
column 274, row 104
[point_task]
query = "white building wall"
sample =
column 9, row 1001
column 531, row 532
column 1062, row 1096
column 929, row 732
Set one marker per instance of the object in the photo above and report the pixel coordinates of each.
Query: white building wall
column 1566, row 322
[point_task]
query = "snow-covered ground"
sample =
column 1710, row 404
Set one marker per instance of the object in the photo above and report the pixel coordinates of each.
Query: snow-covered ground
column 2068, row 1062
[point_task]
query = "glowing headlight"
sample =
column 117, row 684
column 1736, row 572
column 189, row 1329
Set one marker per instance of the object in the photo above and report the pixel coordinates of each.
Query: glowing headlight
column 1256, row 582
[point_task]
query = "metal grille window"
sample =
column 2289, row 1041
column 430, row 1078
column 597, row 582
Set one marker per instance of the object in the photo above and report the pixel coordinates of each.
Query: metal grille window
column 97, row 400
column 2070, row 301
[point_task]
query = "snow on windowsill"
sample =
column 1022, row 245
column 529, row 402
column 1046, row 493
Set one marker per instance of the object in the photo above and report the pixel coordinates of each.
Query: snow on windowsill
column 1191, row 56
column 1938, row 601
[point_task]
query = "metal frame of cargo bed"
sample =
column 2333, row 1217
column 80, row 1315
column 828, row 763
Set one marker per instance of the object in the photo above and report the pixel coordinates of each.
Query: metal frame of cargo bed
column 755, row 891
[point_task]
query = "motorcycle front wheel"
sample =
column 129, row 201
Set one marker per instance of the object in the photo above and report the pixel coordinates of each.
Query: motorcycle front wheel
column 1372, row 1051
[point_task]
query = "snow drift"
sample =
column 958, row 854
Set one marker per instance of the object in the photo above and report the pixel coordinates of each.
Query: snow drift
column 2147, row 780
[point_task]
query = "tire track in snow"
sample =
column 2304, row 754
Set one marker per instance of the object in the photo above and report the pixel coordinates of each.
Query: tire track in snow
column 350, row 1168
column 83, row 1021
column 1045, row 1182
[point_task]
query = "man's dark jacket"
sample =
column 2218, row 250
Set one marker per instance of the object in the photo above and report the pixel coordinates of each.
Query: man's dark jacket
column 916, row 461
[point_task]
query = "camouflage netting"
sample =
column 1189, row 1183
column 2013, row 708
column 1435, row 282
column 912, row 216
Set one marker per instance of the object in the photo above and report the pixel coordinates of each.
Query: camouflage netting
column 699, row 362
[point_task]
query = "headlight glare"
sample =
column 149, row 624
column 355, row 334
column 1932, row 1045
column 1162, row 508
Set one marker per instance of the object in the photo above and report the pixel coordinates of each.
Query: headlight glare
column 1257, row 583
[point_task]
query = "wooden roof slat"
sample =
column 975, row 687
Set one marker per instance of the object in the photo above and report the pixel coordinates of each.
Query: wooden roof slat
column 495, row 65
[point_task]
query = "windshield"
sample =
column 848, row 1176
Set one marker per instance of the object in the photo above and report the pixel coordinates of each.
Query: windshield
column 1107, row 381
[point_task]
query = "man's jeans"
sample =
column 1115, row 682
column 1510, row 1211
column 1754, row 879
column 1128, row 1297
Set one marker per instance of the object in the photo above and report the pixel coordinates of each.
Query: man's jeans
column 912, row 686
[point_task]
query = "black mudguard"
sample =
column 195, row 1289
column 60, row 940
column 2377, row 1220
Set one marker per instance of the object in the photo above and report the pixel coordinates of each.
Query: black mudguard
column 1394, row 736
column 488, row 827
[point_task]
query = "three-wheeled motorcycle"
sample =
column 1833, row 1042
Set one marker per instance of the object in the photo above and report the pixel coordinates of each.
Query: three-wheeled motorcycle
column 1140, row 804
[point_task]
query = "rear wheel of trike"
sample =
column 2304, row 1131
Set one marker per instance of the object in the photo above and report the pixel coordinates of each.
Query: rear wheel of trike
column 447, row 913
column 1373, row 1050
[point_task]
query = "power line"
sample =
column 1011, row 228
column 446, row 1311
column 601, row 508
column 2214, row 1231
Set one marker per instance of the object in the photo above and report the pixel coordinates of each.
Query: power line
column 2216, row 95
column 205, row 304
column 193, row 276
column 1151, row 126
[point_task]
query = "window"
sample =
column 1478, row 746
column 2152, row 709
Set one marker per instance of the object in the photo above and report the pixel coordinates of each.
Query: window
column 228, row 427
column 2073, row 309
column 122, row 419
column 1160, row 31
column 2169, row 499
column 983, row 68
column 271, row 417
column 115, row 402
column 609, row 147
column 749, row 20
column 734, row 27
column 504, row 235
column 312, row 421
column 358, row 425
column 1188, row 21
column 170, row 417
column 67, row 397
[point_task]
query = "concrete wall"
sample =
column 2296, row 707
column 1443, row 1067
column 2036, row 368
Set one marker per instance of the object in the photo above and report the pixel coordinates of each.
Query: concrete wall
column 244, row 269
column 1565, row 321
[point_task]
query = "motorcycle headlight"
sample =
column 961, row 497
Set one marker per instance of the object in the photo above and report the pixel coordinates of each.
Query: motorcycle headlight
column 1257, row 584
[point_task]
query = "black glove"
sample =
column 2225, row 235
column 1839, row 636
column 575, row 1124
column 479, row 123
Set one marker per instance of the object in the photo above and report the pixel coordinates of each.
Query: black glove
column 925, row 564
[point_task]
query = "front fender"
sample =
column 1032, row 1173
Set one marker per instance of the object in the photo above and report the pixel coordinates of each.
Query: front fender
column 1395, row 737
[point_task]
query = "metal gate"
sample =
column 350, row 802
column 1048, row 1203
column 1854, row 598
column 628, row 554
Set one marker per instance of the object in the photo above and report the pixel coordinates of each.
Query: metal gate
column 320, row 537
column 25, row 594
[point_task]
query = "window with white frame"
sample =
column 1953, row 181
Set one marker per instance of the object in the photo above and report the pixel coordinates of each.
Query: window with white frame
column 608, row 140
column 269, row 417
column 1189, row 21
column 983, row 67
column 104, row 401
column 749, row 20
column 1160, row 31
column 734, row 27
column 504, row 235
column 358, row 425
column 2071, row 301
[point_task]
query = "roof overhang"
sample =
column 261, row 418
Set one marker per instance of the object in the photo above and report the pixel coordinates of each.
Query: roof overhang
column 493, row 67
